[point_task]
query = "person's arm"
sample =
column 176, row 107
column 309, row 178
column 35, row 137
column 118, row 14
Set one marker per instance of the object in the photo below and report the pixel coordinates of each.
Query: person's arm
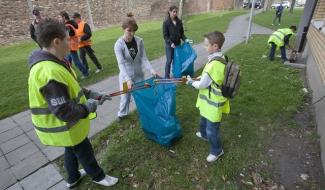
column 286, row 40
column 144, row 59
column 32, row 32
column 60, row 103
column 121, row 60
column 70, row 31
column 183, row 37
column 87, row 32
column 166, row 33
column 204, row 82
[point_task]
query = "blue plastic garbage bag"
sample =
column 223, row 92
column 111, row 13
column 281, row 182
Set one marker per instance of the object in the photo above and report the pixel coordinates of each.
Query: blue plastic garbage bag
column 184, row 57
column 156, row 107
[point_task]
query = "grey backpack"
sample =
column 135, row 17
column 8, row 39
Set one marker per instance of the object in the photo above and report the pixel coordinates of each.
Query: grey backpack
column 231, row 83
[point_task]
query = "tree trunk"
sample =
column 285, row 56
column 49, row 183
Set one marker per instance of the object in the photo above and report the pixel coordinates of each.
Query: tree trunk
column 180, row 9
column 293, row 2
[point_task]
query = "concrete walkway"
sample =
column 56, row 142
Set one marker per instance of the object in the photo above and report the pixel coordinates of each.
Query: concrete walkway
column 26, row 164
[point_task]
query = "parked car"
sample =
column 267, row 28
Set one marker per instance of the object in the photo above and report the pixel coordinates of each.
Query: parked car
column 245, row 4
column 285, row 4
column 258, row 5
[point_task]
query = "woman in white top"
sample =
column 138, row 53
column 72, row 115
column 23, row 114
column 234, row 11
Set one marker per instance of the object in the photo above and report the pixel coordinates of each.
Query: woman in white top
column 132, row 60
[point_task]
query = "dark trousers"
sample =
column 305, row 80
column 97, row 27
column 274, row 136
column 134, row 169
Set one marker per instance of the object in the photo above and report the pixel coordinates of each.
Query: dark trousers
column 277, row 17
column 83, row 153
column 169, row 59
column 91, row 53
column 73, row 56
column 210, row 131
column 272, row 52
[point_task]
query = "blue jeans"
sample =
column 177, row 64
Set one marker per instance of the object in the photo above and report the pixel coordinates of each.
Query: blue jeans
column 272, row 52
column 83, row 153
column 210, row 131
column 73, row 56
column 169, row 59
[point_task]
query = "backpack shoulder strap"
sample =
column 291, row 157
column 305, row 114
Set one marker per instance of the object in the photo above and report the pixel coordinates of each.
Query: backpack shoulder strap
column 220, row 59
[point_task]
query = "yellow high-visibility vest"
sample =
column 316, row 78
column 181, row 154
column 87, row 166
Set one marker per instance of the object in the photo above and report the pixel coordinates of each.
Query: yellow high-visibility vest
column 51, row 130
column 210, row 101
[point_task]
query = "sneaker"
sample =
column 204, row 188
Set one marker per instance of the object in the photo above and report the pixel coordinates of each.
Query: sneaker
column 98, row 70
column 198, row 134
column 279, row 24
column 120, row 118
column 82, row 174
column 272, row 24
column 212, row 158
column 84, row 77
column 107, row 181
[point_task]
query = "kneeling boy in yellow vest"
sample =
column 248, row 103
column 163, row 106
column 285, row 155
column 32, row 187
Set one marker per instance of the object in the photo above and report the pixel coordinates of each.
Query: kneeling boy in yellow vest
column 60, row 108
column 211, row 103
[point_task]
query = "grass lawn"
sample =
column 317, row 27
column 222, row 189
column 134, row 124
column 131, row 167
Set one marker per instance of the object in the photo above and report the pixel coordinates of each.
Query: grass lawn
column 287, row 19
column 14, row 58
column 270, row 94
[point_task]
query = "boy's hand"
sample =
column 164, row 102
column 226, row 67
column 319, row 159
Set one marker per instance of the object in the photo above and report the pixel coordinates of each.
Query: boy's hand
column 189, row 80
column 129, row 83
column 189, row 41
column 172, row 45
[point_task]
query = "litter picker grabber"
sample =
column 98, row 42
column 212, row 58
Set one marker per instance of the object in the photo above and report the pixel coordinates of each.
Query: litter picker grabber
column 126, row 90
column 172, row 80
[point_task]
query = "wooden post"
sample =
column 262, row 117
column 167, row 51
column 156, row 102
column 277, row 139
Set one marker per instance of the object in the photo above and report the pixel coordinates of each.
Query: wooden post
column 250, row 22
column 293, row 2
column 180, row 9
column 90, row 16
column 208, row 5
column 30, row 6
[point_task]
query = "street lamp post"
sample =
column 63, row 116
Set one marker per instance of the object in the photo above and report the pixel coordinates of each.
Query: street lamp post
column 250, row 22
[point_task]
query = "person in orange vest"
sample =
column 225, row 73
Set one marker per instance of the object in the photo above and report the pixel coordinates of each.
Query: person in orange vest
column 71, row 27
column 84, row 35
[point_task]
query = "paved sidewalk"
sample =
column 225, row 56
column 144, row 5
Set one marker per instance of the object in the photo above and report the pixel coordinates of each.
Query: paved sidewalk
column 26, row 164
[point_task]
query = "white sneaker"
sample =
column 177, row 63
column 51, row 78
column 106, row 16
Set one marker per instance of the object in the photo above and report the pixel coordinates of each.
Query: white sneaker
column 84, row 77
column 82, row 174
column 272, row 24
column 107, row 181
column 98, row 70
column 198, row 134
column 212, row 158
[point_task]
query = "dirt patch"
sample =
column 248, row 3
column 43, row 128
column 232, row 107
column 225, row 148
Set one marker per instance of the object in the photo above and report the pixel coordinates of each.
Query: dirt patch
column 295, row 153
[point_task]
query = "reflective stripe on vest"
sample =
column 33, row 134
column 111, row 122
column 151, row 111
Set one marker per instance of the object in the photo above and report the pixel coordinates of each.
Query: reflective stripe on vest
column 211, row 102
column 80, row 33
column 278, row 36
column 56, row 129
column 44, row 111
column 215, row 104
column 49, row 128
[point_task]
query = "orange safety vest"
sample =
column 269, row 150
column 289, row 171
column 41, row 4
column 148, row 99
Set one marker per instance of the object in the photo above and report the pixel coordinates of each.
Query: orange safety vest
column 73, row 40
column 80, row 32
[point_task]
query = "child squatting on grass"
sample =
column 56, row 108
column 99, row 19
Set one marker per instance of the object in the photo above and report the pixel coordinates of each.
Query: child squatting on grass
column 210, row 101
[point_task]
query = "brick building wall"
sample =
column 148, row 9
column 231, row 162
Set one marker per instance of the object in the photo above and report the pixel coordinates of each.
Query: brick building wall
column 15, row 15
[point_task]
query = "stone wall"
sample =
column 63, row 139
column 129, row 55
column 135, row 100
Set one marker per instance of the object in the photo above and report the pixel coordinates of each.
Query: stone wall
column 15, row 15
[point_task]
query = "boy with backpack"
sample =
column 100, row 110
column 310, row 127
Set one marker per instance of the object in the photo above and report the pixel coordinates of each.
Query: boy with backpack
column 211, row 102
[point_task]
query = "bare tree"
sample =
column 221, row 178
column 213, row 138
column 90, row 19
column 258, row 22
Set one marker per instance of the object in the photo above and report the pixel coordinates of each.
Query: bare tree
column 293, row 2
column 180, row 10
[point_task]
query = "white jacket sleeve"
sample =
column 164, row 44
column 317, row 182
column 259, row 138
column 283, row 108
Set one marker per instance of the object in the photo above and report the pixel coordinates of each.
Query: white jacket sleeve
column 144, row 59
column 204, row 82
column 121, row 60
